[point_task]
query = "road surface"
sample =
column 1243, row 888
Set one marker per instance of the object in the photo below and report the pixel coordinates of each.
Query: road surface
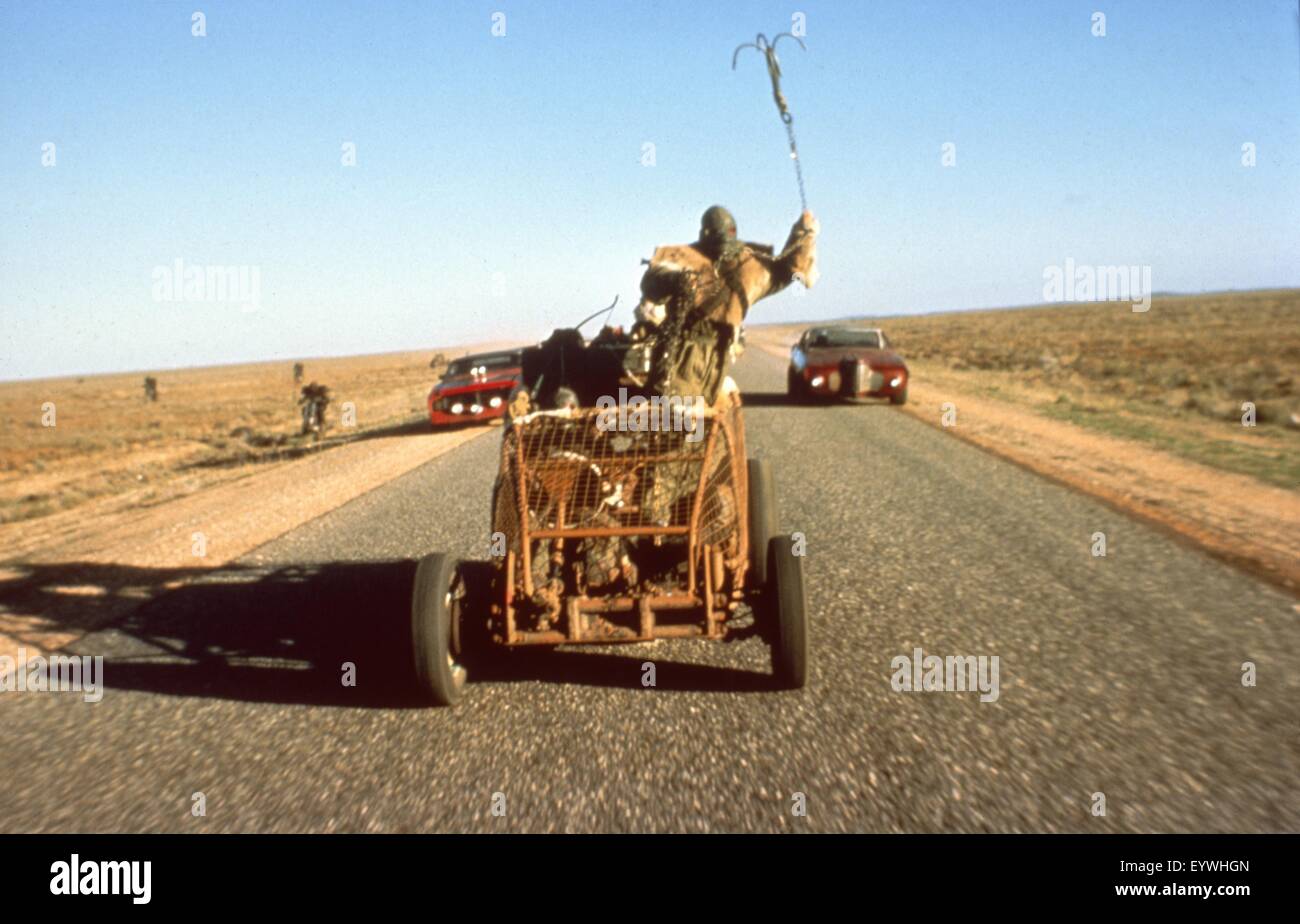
column 1118, row 675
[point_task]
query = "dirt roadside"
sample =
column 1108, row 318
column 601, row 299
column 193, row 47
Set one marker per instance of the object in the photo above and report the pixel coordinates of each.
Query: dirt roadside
column 79, row 571
column 1241, row 520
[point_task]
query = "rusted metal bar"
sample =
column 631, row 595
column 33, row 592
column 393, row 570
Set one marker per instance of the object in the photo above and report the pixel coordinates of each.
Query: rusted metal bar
column 510, row 597
column 647, row 618
column 690, row 630
column 595, row 532
column 707, row 558
column 628, row 604
column 549, row 637
column 740, row 481
column 525, row 544
column 719, row 599
column 555, row 637
column 574, row 616
column 696, row 503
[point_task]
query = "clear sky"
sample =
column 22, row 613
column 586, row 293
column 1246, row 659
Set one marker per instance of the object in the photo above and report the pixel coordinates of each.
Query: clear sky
column 499, row 189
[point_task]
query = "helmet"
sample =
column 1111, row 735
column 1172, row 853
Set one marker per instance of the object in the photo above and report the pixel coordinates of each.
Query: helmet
column 717, row 225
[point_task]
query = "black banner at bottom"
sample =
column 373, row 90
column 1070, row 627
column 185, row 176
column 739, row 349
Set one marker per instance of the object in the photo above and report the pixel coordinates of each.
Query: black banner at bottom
column 299, row 872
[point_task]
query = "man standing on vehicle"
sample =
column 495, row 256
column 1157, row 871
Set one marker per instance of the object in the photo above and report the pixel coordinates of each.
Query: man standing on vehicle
column 699, row 294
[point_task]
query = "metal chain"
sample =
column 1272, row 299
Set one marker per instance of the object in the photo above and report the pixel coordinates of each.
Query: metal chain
column 774, row 72
column 794, row 156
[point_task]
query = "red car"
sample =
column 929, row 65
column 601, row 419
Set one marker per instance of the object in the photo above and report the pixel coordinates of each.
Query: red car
column 475, row 388
column 846, row 362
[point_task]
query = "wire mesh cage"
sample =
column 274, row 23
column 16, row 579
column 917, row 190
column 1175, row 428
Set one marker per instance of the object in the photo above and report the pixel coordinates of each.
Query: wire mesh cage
column 587, row 473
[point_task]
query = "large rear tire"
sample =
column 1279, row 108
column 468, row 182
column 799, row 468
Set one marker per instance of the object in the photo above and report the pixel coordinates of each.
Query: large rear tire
column 435, row 629
column 762, row 518
column 789, row 636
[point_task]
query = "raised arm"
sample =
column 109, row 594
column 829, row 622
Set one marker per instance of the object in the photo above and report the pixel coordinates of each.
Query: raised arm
column 797, row 260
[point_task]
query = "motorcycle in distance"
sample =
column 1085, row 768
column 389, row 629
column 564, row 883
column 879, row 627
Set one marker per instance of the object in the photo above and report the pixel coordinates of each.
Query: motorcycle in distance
column 314, row 400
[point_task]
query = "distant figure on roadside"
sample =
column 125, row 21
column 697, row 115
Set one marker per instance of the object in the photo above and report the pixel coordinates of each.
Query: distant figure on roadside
column 315, row 399
column 297, row 373
column 150, row 388
column 439, row 359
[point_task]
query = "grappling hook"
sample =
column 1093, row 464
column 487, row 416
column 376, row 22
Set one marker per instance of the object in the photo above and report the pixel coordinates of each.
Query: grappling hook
column 773, row 66
column 774, row 71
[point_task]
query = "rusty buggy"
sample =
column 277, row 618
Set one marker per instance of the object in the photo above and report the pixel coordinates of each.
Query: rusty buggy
column 614, row 525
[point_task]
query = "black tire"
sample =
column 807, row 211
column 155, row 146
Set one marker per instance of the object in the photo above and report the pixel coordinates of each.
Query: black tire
column 435, row 629
column 794, row 386
column 789, row 604
column 898, row 397
column 762, row 518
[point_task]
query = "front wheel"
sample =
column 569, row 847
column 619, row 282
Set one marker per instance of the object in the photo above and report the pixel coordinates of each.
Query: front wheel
column 789, row 636
column 898, row 397
column 436, row 602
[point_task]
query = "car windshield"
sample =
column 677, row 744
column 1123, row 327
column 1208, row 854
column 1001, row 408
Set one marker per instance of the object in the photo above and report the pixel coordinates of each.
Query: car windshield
column 845, row 338
column 488, row 362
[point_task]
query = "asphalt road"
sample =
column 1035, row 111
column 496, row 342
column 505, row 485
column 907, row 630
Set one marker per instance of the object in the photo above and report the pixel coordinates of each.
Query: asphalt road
column 1118, row 675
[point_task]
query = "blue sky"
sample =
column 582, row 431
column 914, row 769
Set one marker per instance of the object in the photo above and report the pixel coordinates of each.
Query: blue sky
column 499, row 189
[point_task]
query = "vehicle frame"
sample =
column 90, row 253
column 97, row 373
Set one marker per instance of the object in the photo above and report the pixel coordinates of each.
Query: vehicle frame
column 694, row 518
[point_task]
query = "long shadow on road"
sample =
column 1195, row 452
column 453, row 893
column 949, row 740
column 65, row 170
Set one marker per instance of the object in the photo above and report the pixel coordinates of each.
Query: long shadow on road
column 287, row 635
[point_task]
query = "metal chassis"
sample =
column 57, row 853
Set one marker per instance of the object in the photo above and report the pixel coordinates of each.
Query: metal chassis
column 715, row 583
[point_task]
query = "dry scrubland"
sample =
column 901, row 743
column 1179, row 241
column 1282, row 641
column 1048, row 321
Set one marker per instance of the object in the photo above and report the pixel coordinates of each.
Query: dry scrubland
column 1142, row 410
column 1174, row 377
column 111, row 447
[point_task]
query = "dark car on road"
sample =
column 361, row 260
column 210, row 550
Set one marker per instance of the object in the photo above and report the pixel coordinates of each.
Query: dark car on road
column 475, row 388
column 846, row 362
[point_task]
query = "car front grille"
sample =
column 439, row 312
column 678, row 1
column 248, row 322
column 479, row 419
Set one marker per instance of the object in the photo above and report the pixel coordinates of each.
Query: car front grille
column 859, row 378
column 468, row 399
